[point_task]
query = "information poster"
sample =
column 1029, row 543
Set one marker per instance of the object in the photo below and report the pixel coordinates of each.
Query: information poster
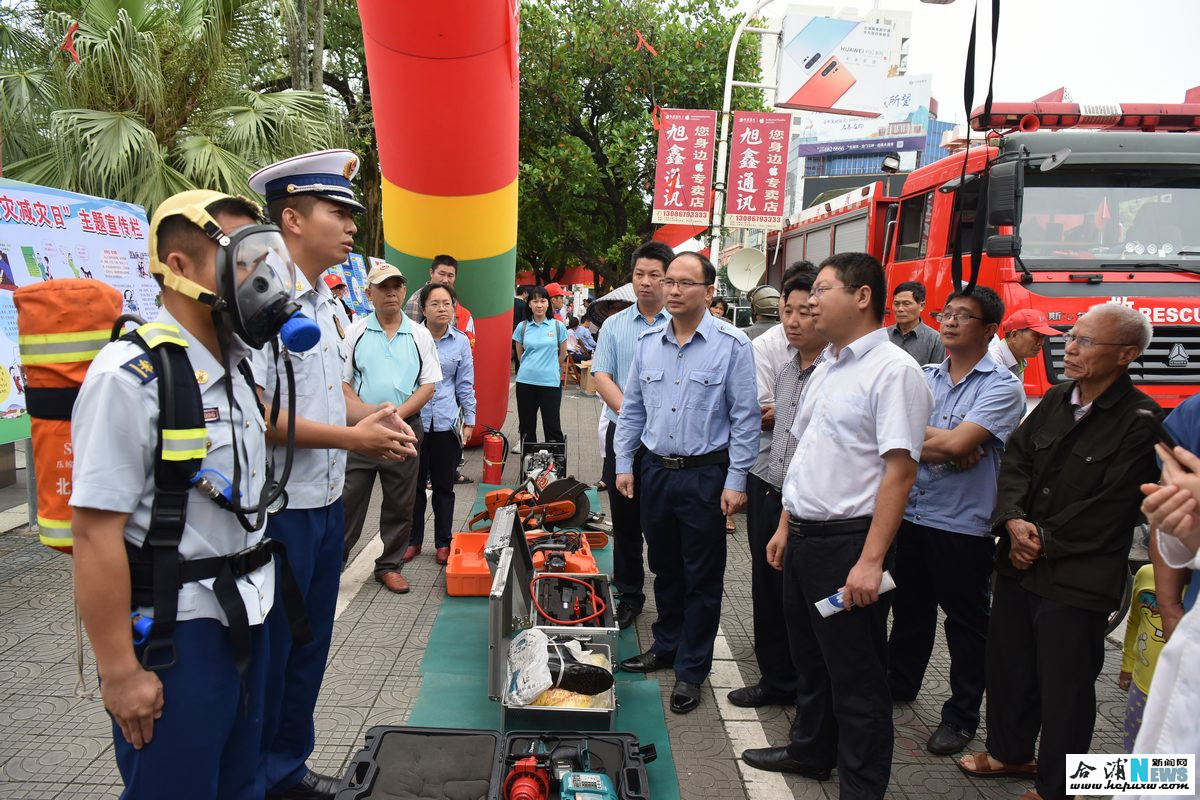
column 47, row 234
column 354, row 274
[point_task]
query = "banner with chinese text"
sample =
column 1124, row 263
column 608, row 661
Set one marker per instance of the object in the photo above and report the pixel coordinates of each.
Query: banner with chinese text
column 757, row 170
column 46, row 234
column 683, row 176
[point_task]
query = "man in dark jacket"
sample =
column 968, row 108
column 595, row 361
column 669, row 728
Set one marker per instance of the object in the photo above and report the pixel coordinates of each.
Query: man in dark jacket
column 1066, row 507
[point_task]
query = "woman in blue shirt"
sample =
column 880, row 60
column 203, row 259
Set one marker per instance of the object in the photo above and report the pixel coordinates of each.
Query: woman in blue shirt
column 541, row 344
column 441, row 448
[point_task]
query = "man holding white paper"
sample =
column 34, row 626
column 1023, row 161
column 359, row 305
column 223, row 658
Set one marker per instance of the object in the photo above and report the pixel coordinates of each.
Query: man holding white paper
column 860, row 431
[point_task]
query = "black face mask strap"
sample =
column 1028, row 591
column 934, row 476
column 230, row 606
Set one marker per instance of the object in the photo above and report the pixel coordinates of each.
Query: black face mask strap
column 956, row 267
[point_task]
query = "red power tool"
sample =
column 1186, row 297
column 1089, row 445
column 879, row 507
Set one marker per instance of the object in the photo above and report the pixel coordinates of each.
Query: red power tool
column 528, row 780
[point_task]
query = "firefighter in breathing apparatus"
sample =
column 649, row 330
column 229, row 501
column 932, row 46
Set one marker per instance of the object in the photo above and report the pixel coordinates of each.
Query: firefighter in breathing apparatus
column 168, row 516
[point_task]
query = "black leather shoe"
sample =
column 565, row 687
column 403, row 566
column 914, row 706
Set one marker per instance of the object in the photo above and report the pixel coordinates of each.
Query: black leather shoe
column 575, row 676
column 626, row 616
column 685, row 697
column 649, row 661
column 313, row 786
column 948, row 739
column 755, row 697
column 776, row 759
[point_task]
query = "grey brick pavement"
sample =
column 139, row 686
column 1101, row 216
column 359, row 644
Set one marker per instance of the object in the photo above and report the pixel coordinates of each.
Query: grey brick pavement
column 54, row 744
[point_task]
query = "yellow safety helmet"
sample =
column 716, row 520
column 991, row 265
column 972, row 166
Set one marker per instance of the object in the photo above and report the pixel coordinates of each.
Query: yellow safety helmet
column 193, row 205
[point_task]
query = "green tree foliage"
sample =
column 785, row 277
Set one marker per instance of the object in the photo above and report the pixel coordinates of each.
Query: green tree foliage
column 587, row 139
column 159, row 102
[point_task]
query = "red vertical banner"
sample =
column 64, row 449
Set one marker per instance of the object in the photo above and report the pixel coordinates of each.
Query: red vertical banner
column 683, row 175
column 757, row 170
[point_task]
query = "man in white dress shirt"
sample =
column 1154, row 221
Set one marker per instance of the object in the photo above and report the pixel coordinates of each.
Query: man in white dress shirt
column 860, row 431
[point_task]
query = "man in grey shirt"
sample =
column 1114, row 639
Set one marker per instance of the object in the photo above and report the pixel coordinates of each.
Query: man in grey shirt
column 909, row 333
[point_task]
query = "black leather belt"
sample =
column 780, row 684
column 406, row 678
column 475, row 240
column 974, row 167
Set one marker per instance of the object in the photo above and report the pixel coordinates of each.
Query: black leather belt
column 834, row 527
column 772, row 491
column 687, row 462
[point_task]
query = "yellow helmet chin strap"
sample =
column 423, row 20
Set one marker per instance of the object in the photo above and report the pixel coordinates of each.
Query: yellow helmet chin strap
column 192, row 205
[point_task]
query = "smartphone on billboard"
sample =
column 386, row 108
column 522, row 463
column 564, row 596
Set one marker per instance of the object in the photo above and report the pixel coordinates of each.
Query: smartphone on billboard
column 816, row 42
column 826, row 87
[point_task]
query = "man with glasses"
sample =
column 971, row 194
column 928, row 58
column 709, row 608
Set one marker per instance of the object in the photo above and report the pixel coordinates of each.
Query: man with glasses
column 910, row 333
column 610, row 366
column 945, row 547
column 860, row 430
column 691, row 408
column 1067, row 503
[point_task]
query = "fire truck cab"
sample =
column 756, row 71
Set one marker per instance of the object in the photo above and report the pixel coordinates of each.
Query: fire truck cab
column 1073, row 217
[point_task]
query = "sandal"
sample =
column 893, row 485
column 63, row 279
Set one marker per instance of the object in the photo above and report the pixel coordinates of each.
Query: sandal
column 979, row 765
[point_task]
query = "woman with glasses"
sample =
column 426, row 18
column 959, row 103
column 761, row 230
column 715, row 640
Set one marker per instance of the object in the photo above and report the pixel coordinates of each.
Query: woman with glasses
column 441, row 447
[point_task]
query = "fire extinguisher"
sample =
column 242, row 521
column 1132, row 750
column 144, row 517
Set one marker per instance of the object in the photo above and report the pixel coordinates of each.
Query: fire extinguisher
column 495, row 453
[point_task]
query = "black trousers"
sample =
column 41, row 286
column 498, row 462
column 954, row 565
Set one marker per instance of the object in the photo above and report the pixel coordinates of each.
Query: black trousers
column 952, row 570
column 629, row 574
column 1043, row 658
column 440, row 451
column 685, row 541
column 843, row 707
column 530, row 400
column 771, row 649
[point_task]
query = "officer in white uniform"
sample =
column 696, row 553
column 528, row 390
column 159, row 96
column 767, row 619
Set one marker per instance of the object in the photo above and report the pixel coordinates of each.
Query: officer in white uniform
column 311, row 199
column 188, row 730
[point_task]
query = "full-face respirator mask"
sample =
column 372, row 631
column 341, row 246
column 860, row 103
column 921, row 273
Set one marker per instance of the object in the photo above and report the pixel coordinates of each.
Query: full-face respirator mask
column 254, row 300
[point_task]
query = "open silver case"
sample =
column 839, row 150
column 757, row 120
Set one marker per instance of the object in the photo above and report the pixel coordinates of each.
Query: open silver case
column 510, row 610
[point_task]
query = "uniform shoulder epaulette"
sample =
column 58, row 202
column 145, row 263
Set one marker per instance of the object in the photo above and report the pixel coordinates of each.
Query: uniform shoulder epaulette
column 141, row 367
column 735, row 333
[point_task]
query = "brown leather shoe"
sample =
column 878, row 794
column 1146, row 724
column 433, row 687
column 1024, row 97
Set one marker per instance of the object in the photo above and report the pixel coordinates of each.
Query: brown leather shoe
column 412, row 552
column 442, row 555
column 394, row 582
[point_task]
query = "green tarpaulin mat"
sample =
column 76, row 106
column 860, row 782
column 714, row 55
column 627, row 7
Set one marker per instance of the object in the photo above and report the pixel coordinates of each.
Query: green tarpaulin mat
column 454, row 691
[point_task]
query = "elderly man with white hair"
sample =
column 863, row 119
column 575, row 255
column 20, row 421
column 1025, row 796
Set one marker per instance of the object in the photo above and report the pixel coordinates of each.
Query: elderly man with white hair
column 1067, row 503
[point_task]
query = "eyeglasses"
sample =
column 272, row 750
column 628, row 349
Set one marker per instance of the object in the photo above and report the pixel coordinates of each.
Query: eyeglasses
column 671, row 283
column 819, row 291
column 1087, row 341
column 439, row 305
column 960, row 317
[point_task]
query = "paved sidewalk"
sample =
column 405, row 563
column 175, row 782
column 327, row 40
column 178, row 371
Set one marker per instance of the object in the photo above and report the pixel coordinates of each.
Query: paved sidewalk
column 55, row 744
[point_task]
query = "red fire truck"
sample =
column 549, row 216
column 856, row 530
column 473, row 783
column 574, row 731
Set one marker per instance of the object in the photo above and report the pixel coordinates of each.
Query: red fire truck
column 1082, row 205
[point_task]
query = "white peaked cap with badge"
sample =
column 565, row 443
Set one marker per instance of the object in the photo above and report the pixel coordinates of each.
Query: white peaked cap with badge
column 326, row 174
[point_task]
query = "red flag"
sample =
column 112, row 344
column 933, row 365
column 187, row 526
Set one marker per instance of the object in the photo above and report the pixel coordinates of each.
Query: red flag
column 643, row 43
column 68, row 44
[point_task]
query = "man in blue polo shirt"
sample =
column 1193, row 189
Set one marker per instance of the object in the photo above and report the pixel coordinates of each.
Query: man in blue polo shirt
column 945, row 548
column 610, row 366
column 391, row 360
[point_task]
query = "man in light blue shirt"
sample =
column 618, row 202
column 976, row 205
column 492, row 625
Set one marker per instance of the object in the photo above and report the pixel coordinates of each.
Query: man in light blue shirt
column 391, row 359
column 945, row 548
column 691, row 405
column 610, row 365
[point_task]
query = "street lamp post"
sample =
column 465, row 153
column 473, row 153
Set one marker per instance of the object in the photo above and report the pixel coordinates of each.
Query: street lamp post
column 720, row 184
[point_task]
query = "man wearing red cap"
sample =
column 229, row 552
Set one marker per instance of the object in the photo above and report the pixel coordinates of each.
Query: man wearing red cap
column 558, row 299
column 1024, row 333
column 338, row 287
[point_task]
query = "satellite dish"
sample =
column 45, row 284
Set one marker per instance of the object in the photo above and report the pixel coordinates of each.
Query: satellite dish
column 746, row 267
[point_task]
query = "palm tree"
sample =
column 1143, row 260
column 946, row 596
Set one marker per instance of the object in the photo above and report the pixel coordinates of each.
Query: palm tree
column 158, row 102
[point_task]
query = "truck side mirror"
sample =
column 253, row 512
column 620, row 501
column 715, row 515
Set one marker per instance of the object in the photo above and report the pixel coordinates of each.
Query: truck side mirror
column 1006, row 186
column 1003, row 246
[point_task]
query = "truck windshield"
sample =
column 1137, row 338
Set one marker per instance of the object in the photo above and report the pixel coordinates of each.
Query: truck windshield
column 1129, row 215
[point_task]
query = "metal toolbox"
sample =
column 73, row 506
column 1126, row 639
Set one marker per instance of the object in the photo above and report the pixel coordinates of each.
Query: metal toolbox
column 507, row 533
column 510, row 610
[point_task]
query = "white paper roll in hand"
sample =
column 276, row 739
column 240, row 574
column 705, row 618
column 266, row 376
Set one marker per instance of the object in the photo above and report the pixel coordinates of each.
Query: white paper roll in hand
column 833, row 604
